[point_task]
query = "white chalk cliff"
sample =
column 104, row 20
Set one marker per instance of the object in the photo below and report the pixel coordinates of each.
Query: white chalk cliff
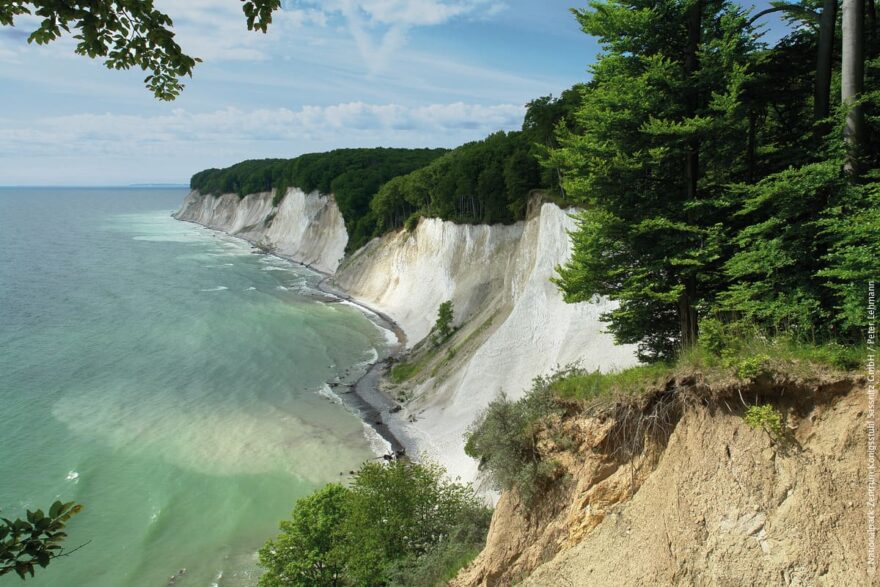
column 307, row 228
column 513, row 318
column 498, row 278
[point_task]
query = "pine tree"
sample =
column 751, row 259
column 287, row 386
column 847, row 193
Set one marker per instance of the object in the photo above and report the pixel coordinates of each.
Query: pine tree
column 661, row 125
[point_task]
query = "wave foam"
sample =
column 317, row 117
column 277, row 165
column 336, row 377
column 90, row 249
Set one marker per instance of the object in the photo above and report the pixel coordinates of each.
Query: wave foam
column 378, row 445
column 374, row 356
column 325, row 391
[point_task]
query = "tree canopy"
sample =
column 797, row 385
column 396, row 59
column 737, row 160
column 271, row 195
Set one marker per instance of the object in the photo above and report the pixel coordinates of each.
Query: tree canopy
column 125, row 34
column 398, row 523
column 36, row 540
column 353, row 176
column 712, row 182
column 382, row 189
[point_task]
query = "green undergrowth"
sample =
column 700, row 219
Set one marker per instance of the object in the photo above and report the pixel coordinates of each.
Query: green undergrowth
column 507, row 436
column 396, row 524
column 406, row 370
column 723, row 351
column 425, row 355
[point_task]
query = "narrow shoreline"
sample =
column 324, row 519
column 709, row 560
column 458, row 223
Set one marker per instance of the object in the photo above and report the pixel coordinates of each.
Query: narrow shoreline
column 365, row 396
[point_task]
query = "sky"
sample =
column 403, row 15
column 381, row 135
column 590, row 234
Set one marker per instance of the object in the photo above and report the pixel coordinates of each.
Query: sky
column 329, row 74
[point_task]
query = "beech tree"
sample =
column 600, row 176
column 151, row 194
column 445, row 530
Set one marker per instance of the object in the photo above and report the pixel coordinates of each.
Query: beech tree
column 826, row 20
column 36, row 540
column 125, row 34
column 853, row 76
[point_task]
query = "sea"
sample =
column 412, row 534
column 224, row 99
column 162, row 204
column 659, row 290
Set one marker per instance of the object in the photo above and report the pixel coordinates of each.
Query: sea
column 171, row 379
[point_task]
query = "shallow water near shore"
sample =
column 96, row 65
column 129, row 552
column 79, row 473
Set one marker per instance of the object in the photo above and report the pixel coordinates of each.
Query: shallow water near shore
column 170, row 380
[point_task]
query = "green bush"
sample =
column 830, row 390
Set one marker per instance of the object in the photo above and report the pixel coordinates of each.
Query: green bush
column 443, row 562
column 311, row 547
column 750, row 367
column 443, row 327
column 505, row 440
column 412, row 221
column 714, row 336
column 765, row 417
column 398, row 523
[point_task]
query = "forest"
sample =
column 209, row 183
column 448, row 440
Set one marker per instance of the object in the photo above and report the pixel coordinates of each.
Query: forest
column 379, row 189
column 352, row 175
column 722, row 178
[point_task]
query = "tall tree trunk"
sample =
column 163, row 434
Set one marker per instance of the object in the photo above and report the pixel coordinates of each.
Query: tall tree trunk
column 751, row 153
column 686, row 311
column 687, row 315
column 872, row 23
column 822, row 95
column 853, row 77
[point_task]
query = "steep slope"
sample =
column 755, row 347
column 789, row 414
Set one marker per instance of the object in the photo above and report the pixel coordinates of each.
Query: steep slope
column 707, row 501
column 514, row 323
column 307, row 228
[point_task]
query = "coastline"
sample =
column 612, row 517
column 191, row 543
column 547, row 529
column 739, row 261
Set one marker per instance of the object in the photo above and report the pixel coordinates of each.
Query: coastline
column 364, row 397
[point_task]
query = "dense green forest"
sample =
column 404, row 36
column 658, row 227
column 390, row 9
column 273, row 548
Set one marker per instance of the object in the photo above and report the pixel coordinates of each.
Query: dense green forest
column 723, row 178
column 378, row 190
column 486, row 181
column 352, row 175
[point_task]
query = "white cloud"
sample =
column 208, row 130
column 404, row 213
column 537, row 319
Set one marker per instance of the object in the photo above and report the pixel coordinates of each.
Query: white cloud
column 217, row 29
column 355, row 121
column 89, row 149
column 380, row 27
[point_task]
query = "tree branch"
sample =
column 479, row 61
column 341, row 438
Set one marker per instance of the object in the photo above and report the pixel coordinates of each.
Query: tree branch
column 793, row 9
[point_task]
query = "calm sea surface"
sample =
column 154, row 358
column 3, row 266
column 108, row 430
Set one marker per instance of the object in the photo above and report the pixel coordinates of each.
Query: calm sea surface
column 169, row 379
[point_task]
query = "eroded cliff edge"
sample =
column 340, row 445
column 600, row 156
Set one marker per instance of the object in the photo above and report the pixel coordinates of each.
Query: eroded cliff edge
column 674, row 488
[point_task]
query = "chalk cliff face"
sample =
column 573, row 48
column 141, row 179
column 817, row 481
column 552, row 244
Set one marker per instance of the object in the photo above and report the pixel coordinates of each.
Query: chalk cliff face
column 514, row 324
column 307, row 228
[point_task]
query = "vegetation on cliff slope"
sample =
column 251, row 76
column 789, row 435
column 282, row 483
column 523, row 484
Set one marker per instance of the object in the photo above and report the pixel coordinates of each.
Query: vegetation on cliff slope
column 396, row 523
column 506, row 436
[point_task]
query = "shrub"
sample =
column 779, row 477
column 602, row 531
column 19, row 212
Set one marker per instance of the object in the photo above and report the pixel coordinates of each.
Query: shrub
column 443, row 327
column 714, row 336
column 412, row 222
column 751, row 367
column 403, row 523
column 443, row 562
column 765, row 417
column 505, row 440
column 311, row 547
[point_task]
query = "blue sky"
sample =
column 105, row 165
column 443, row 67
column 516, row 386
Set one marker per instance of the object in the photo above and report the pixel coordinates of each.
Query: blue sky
column 331, row 73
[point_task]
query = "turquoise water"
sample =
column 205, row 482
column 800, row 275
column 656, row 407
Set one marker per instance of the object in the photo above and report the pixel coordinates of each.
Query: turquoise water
column 168, row 378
